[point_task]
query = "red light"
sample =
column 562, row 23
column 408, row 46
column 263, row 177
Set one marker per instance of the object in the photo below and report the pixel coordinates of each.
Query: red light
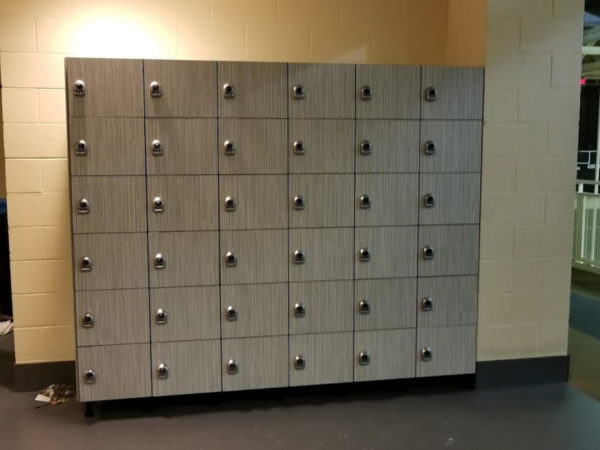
column 582, row 81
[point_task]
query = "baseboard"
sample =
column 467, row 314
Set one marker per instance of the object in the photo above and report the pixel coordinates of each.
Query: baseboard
column 34, row 377
column 525, row 371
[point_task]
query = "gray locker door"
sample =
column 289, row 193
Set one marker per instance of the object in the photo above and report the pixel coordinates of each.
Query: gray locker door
column 320, row 359
column 108, row 204
column 384, row 304
column 112, row 372
column 106, row 146
column 321, row 146
column 255, row 363
column 189, row 258
column 183, row 203
column 455, row 250
column 391, row 252
column 387, row 146
column 446, row 351
column 321, row 90
column 114, row 261
column 188, row 367
column 388, row 92
column 320, row 307
column 257, row 256
column 386, row 199
column 384, row 355
column 249, row 202
column 321, row 201
column 254, row 310
column 446, row 301
column 450, row 146
column 452, row 93
column 248, row 146
column 323, row 254
column 181, row 146
column 184, row 314
column 112, row 317
column 180, row 88
column 449, row 198
column 252, row 89
column 111, row 87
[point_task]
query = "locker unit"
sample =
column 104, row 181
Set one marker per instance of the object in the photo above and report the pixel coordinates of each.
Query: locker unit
column 258, row 225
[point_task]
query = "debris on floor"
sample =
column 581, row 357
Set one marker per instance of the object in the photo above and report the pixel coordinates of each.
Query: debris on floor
column 6, row 327
column 55, row 394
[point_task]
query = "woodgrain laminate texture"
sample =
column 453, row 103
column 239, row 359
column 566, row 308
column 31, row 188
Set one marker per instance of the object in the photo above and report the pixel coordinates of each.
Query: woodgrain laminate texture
column 391, row 304
column 395, row 92
column 113, row 87
column 328, row 146
column 459, row 93
column 189, row 146
column 453, row 350
column 260, row 201
column 260, row 146
column 390, row 352
column 189, row 203
column 328, row 254
column 114, row 204
column 115, row 146
column 393, row 199
column 260, row 89
column 192, row 258
column 455, row 247
column 394, row 146
column 327, row 307
column 328, row 358
column 193, row 367
column 328, row 90
column 119, row 317
column 262, row 310
column 456, row 197
column 457, row 146
column 393, row 252
column 192, row 313
column 188, row 88
column 327, row 201
column 453, row 300
column 122, row 371
column 261, row 256
column 262, row 363
column 119, row 261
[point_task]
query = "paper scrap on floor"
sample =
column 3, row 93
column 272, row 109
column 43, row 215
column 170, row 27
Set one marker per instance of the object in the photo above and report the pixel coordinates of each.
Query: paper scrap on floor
column 6, row 327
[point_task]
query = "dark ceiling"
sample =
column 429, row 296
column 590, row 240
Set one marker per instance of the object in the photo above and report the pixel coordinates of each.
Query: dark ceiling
column 592, row 6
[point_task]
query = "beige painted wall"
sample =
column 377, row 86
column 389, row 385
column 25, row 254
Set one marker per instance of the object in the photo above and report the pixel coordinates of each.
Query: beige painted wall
column 35, row 35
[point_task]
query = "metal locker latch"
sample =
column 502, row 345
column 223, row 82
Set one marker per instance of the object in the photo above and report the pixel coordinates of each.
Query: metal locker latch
column 365, row 147
column 157, row 205
column 364, row 358
column 89, row 376
column 87, row 321
column 299, row 257
column 228, row 148
column 364, row 307
column 364, row 254
column 157, row 148
column 85, row 265
column 230, row 205
column 231, row 314
column 429, row 148
column 366, row 93
column 299, row 362
column 298, row 91
column 365, row 202
column 299, row 203
column 228, row 91
column 162, row 372
column 81, row 148
column 84, row 206
column 426, row 304
column 161, row 316
column 299, row 148
column 79, row 88
column 230, row 259
column 431, row 94
column 428, row 201
column 160, row 261
column 299, row 310
column 426, row 354
column 155, row 89
column 427, row 252
column 232, row 367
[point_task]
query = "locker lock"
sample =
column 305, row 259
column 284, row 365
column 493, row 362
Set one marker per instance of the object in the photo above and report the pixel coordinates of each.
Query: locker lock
column 366, row 93
column 157, row 205
column 365, row 202
column 85, row 265
column 299, row 203
column 230, row 259
column 426, row 304
column 89, row 376
column 81, row 148
column 365, row 147
column 299, row 362
column 230, row 205
column 157, row 148
column 79, row 88
column 161, row 316
column 428, row 201
column 364, row 307
column 232, row 367
column 155, row 89
column 364, row 359
column 427, row 252
column 228, row 148
column 228, row 91
column 159, row 261
column 299, row 310
column 364, row 254
column 87, row 321
column 298, row 91
column 84, row 206
column 299, row 257
column 429, row 148
column 426, row 354
column 431, row 94
column 298, row 147
column 162, row 372
column 231, row 314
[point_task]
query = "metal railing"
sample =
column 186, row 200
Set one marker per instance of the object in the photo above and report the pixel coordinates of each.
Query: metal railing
column 586, row 242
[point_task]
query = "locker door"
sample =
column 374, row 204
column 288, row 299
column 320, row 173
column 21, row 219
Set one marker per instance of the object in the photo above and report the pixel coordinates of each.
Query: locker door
column 448, row 250
column 446, row 301
column 450, row 146
column 384, row 355
column 446, row 351
column 449, row 198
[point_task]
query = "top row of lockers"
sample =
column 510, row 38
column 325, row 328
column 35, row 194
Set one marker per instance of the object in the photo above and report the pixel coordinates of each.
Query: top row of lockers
column 163, row 88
